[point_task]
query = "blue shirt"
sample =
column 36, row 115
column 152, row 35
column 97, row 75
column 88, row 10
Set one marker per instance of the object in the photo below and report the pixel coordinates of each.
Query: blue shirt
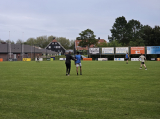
column 78, row 57
column 126, row 55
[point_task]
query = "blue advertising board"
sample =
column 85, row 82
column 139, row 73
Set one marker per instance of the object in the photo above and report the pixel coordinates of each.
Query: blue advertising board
column 153, row 49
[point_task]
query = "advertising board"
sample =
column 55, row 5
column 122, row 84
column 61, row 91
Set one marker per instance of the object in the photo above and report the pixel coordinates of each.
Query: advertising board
column 40, row 59
column 1, row 59
column 102, row 59
column 48, row 59
column 61, row 59
column 118, row 59
column 87, row 59
column 122, row 50
column 107, row 50
column 51, row 59
column 158, row 59
column 135, row 59
column 153, row 49
column 26, row 59
column 137, row 50
column 94, row 51
column 153, row 59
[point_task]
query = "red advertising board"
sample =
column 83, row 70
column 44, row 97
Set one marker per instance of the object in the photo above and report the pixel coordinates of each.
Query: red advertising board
column 137, row 50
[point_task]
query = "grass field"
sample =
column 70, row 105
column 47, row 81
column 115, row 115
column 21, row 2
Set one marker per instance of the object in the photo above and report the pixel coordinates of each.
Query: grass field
column 106, row 90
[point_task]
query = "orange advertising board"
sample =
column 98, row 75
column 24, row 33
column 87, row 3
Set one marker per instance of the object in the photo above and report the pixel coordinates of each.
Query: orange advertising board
column 158, row 59
column 87, row 59
column 137, row 50
column 1, row 60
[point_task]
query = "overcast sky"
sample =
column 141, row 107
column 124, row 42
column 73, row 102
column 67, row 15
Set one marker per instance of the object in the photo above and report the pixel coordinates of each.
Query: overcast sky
column 67, row 18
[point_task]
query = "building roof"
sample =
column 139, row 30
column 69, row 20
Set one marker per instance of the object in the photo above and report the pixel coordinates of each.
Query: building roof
column 54, row 40
column 102, row 41
column 19, row 48
column 86, row 48
column 57, row 42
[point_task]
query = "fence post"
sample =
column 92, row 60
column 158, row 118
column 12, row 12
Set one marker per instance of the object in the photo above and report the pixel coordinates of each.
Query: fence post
column 114, row 53
column 129, row 51
column 46, row 53
column 145, row 51
column 7, row 51
column 34, row 51
column 100, row 52
column 21, row 52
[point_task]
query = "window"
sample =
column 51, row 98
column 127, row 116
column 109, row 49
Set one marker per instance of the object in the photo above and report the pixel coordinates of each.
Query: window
column 49, row 47
column 57, row 46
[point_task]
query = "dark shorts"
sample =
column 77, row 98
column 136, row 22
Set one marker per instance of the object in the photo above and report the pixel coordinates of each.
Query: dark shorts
column 37, row 58
column 142, row 62
column 126, row 58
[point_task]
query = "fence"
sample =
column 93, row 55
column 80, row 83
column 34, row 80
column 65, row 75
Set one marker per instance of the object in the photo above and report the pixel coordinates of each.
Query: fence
column 119, row 52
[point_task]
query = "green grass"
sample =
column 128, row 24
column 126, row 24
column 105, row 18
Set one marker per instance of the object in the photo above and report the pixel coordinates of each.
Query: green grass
column 106, row 90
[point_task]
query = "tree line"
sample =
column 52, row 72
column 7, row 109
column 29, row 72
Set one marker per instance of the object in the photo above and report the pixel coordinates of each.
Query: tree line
column 43, row 41
column 133, row 33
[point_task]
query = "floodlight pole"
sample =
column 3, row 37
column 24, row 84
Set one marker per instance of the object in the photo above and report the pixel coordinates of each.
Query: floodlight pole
column 9, row 45
column 7, row 51
column 31, row 52
column 34, row 51
column 88, row 50
column 22, row 46
column 58, row 54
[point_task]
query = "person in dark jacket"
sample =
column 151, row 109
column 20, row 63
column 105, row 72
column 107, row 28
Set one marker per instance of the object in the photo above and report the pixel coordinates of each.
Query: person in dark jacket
column 68, row 63
column 38, row 58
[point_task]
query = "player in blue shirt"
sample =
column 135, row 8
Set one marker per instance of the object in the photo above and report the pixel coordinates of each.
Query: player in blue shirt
column 126, row 58
column 78, row 58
